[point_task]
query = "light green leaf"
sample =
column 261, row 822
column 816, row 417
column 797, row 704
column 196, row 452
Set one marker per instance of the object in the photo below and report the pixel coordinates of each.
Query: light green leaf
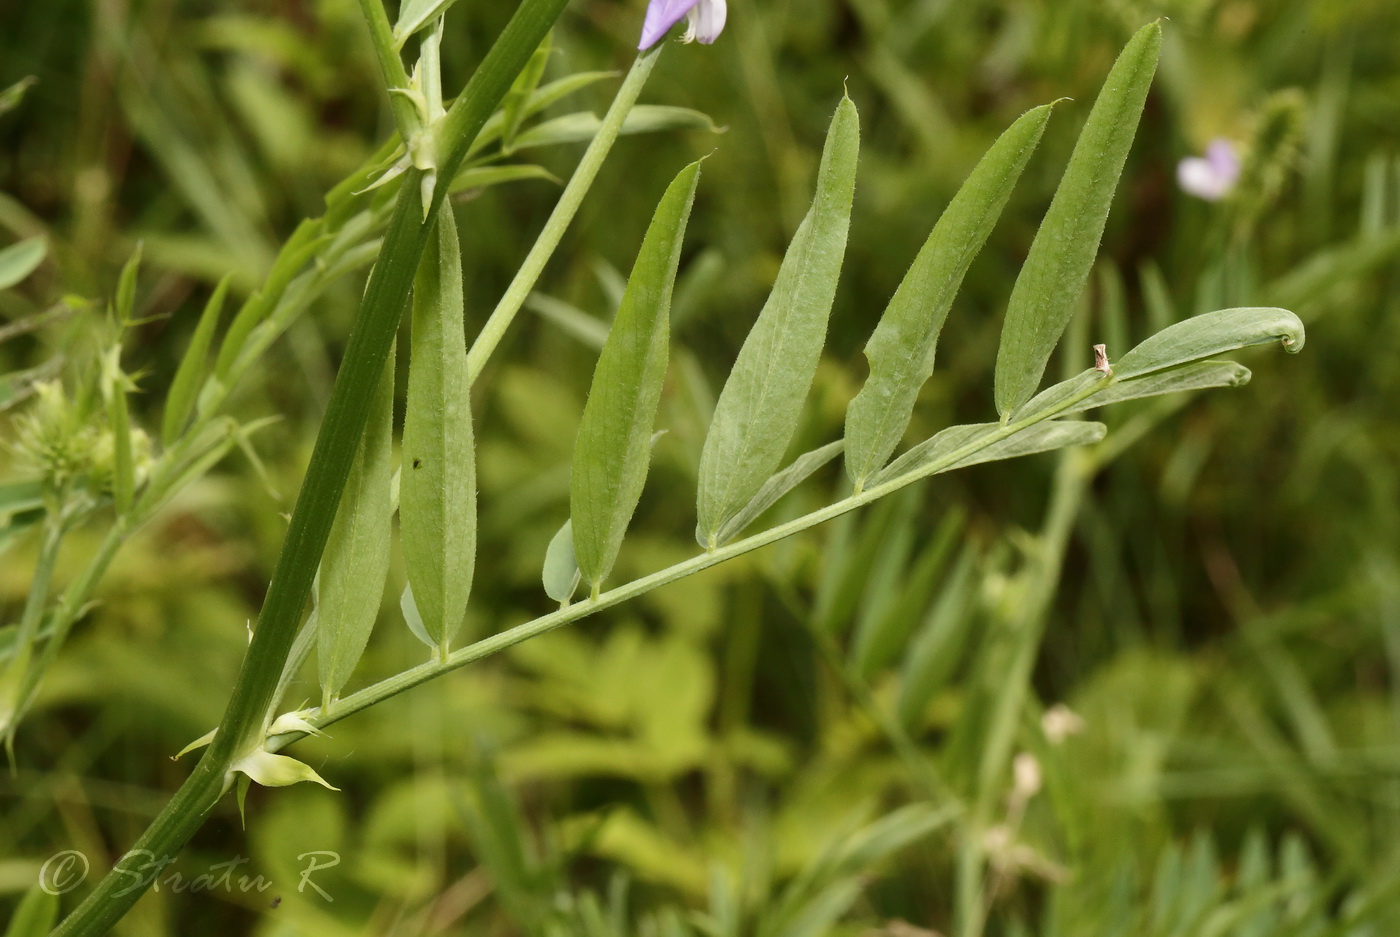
column 583, row 126
column 271, row 770
column 554, row 91
column 901, row 351
column 21, row 259
column 483, row 177
column 415, row 14
column 759, row 407
column 14, row 94
column 779, row 484
column 350, row 585
column 561, row 574
column 437, row 495
column 190, row 375
column 1212, row 333
column 1041, row 437
column 1048, row 289
column 590, row 330
column 1202, row 375
column 614, row 437
column 513, row 108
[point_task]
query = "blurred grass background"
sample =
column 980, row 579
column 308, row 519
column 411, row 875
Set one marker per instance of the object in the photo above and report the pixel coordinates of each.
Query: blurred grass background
column 1227, row 624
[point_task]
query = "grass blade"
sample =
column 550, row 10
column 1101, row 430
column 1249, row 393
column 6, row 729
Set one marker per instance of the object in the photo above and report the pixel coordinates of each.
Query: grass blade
column 901, row 352
column 190, row 375
column 759, row 407
column 1048, row 288
column 614, row 439
column 437, row 497
column 20, row 260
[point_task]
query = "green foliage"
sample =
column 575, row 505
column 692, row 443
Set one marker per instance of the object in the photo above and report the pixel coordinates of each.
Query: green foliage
column 1048, row 287
column 902, row 349
column 614, row 437
column 355, row 566
column 1188, row 626
column 758, row 408
column 437, row 491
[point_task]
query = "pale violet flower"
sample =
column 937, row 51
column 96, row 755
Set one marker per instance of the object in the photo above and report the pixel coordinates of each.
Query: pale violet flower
column 1213, row 176
column 706, row 20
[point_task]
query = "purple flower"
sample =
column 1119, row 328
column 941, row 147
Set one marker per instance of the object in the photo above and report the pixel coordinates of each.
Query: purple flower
column 706, row 20
column 1213, row 176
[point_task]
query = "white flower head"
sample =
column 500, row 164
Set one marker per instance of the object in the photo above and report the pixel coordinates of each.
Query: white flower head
column 706, row 20
column 1213, row 176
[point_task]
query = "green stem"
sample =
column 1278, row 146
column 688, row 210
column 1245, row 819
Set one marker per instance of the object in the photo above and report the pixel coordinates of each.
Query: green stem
column 16, row 676
column 380, row 311
column 579, row 184
column 392, row 686
column 381, row 34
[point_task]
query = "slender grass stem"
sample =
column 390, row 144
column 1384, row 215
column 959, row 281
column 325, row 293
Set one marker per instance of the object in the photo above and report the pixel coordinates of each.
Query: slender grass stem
column 559, row 219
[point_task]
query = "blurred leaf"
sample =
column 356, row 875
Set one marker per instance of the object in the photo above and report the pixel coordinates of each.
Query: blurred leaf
column 589, row 330
column 124, row 303
column 190, row 376
column 355, row 565
column 1042, row 437
column 114, row 388
column 940, row 643
column 614, row 437
column 777, row 485
column 437, row 494
column 1048, row 288
column 583, row 126
column 36, row 915
column 513, row 108
column 1212, row 333
column 11, row 97
column 20, row 260
column 483, row 177
column 901, row 351
column 758, row 409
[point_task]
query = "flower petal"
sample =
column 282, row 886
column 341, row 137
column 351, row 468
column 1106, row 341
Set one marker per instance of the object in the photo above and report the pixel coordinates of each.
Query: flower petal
column 661, row 16
column 707, row 21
